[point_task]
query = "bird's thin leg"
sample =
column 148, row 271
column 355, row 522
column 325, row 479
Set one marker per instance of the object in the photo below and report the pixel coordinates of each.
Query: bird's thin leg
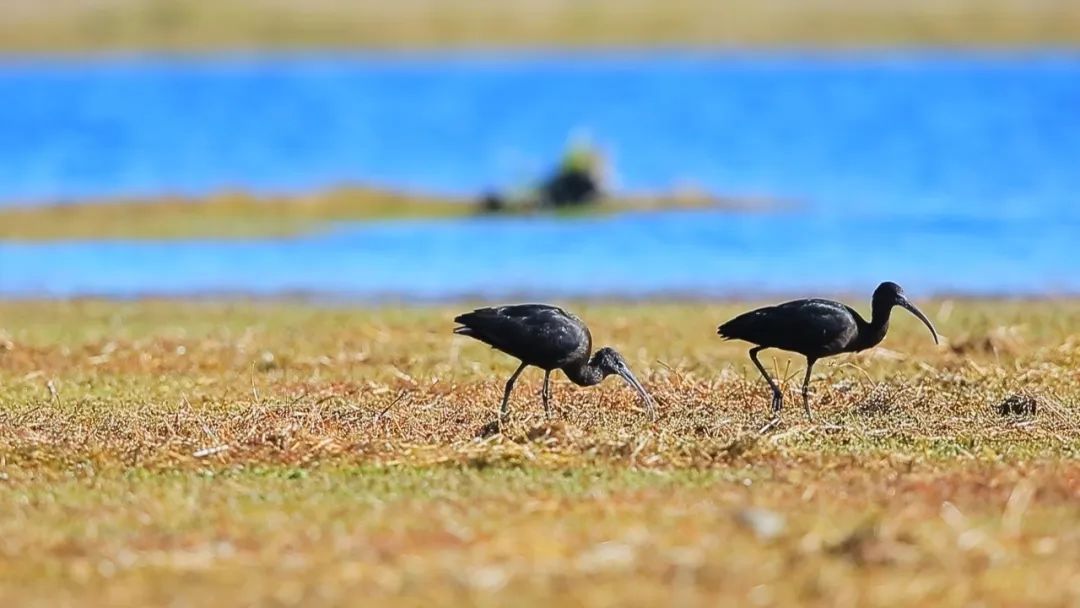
column 546, row 394
column 504, row 411
column 778, row 398
column 805, row 387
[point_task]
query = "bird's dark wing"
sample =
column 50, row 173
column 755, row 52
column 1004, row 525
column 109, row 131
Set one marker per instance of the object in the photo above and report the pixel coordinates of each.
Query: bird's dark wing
column 812, row 327
column 538, row 334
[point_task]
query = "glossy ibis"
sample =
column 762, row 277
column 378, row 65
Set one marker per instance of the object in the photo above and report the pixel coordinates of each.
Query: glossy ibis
column 817, row 329
column 549, row 338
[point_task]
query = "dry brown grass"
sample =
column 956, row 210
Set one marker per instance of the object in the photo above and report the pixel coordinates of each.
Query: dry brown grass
column 230, row 215
column 298, row 454
column 31, row 25
column 245, row 215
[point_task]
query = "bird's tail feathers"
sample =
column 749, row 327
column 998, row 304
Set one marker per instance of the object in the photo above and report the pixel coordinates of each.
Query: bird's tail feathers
column 476, row 323
column 478, row 315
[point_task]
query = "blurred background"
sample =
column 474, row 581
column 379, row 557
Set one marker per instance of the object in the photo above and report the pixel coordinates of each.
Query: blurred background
column 437, row 149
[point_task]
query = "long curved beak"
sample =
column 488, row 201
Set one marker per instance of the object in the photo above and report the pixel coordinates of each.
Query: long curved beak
column 650, row 405
column 918, row 313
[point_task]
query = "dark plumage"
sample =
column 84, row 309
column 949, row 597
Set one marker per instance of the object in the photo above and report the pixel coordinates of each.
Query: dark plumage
column 549, row 338
column 816, row 329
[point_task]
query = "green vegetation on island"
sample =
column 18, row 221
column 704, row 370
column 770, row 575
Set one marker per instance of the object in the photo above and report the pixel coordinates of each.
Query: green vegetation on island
column 241, row 215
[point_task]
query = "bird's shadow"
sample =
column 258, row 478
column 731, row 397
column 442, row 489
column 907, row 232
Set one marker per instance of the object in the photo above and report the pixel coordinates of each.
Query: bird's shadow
column 491, row 429
column 500, row 425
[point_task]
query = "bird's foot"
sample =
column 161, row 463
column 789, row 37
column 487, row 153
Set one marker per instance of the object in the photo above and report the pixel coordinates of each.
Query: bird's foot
column 556, row 412
column 777, row 404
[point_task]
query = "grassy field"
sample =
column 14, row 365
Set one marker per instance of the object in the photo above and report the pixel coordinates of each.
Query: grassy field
column 193, row 25
column 292, row 454
column 240, row 215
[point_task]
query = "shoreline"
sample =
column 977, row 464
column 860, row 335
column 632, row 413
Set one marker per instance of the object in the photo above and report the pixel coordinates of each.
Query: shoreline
column 344, row 302
column 498, row 53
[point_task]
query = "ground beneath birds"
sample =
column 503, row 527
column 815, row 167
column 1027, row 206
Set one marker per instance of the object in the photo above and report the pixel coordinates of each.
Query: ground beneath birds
column 295, row 454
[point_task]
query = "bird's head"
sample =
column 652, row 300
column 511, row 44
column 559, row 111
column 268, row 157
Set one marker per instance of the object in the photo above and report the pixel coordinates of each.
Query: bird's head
column 889, row 294
column 609, row 362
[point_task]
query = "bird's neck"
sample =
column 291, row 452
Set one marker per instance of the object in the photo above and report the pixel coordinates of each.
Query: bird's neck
column 584, row 373
column 872, row 333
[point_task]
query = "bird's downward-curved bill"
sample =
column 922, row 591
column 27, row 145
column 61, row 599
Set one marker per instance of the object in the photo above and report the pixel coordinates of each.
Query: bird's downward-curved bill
column 918, row 313
column 650, row 405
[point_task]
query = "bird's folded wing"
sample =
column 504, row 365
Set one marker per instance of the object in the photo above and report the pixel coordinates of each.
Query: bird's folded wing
column 527, row 331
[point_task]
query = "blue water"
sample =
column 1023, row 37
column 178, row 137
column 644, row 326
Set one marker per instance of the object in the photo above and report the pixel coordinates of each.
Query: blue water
column 981, row 133
column 631, row 255
column 947, row 172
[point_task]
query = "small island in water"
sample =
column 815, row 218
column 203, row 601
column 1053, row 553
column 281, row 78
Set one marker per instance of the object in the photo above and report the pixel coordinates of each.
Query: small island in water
column 246, row 215
column 576, row 187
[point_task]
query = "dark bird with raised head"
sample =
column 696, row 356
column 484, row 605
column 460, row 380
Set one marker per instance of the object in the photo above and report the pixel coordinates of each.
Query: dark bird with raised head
column 550, row 338
column 817, row 329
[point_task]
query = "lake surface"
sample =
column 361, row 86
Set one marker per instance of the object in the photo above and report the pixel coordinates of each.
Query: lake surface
column 947, row 172
column 687, row 253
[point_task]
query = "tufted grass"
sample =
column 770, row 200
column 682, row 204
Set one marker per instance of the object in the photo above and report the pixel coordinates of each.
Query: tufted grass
column 288, row 453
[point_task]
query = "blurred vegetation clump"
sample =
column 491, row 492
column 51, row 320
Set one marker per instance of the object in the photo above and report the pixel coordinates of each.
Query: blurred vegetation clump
column 577, row 181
